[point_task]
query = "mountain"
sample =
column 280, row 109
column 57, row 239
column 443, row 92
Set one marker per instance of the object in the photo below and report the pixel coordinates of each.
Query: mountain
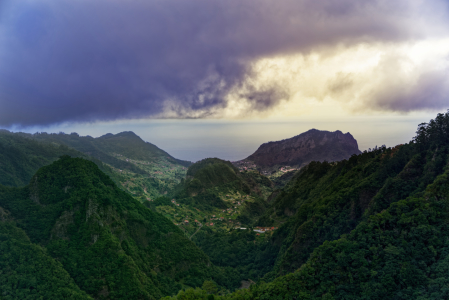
column 27, row 271
column 313, row 145
column 140, row 167
column 21, row 157
column 109, row 147
column 209, row 182
column 400, row 253
column 145, row 170
column 110, row 245
column 370, row 227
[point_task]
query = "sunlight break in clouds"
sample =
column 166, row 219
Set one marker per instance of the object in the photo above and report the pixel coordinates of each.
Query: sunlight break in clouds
column 105, row 60
column 363, row 78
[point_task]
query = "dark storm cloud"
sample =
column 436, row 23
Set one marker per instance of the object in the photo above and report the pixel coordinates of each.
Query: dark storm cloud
column 105, row 60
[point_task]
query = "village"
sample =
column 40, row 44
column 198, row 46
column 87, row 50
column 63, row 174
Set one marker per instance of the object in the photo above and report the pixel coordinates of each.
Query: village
column 244, row 165
column 187, row 218
column 166, row 174
column 191, row 220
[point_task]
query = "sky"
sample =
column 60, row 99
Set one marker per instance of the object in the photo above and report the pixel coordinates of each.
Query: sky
column 203, row 78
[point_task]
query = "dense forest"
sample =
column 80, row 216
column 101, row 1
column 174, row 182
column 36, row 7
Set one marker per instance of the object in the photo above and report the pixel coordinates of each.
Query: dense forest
column 370, row 227
column 139, row 167
column 111, row 245
column 209, row 178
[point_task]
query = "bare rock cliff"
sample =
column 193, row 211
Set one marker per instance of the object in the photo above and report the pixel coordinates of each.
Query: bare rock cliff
column 313, row 145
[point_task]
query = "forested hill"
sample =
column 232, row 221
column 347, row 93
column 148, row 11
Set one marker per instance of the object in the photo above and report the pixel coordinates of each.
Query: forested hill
column 325, row 200
column 313, row 145
column 95, row 237
column 107, row 147
column 21, row 157
column 28, row 271
column 146, row 171
column 370, row 227
column 209, row 181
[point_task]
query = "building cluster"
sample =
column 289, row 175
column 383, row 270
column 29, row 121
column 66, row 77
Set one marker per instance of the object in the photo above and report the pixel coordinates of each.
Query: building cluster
column 243, row 165
column 287, row 169
column 264, row 229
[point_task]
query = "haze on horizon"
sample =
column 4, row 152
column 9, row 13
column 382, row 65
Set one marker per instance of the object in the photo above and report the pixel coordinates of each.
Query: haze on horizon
column 205, row 75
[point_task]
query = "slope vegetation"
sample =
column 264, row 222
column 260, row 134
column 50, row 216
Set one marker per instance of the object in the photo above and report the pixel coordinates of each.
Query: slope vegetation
column 27, row 271
column 110, row 244
column 141, row 168
column 21, row 157
column 208, row 181
column 371, row 227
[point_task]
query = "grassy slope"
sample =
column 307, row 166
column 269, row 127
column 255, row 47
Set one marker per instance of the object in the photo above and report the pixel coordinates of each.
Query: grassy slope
column 144, row 170
column 130, row 145
column 87, row 145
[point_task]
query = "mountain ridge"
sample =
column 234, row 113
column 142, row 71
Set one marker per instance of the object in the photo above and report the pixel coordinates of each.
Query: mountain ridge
column 108, row 242
column 312, row 145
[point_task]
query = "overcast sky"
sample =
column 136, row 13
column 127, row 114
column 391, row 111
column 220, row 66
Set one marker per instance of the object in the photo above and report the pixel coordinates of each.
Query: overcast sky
column 82, row 62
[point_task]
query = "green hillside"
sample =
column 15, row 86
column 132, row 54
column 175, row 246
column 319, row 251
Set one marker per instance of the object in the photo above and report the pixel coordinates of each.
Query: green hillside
column 141, row 168
column 21, row 157
column 145, row 170
column 106, row 147
column 210, row 203
column 371, row 227
column 130, row 145
column 27, row 271
column 209, row 179
column 110, row 244
column 325, row 200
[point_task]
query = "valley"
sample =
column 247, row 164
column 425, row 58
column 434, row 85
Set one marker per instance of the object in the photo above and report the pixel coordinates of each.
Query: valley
column 224, row 150
column 161, row 177
column 117, row 216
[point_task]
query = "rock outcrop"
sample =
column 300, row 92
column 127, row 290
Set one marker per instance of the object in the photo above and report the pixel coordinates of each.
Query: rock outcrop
column 313, row 145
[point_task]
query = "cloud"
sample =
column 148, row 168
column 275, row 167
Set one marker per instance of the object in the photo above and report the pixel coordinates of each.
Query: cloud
column 429, row 91
column 108, row 59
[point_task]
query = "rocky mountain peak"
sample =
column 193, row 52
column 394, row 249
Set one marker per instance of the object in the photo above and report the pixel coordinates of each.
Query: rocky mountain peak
column 312, row 145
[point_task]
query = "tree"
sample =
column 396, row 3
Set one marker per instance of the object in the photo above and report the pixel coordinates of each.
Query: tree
column 210, row 287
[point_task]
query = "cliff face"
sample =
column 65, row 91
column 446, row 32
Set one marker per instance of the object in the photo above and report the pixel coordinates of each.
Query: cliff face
column 313, row 145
